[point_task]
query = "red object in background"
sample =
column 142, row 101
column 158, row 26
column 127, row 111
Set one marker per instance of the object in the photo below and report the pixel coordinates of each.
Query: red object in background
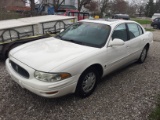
column 67, row 12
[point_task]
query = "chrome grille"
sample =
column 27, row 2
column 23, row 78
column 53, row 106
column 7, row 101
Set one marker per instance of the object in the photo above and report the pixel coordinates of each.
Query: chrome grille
column 21, row 71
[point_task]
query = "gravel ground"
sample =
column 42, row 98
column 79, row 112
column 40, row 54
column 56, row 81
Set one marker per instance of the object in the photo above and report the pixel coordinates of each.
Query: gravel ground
column 156, row 32
column 156, row 35
column 128, row 94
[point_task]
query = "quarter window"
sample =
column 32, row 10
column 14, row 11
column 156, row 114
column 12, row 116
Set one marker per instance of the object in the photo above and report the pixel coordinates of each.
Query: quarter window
column 120, row 32
column 133, row 30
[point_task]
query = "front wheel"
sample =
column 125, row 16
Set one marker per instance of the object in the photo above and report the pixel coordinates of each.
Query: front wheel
column 12, row 47
column 143, row 55
column 87, row 83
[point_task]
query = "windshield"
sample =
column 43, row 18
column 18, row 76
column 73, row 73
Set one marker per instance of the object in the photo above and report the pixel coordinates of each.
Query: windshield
column 85, row 33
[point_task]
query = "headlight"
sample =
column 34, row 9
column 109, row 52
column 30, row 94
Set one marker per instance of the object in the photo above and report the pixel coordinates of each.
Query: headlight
column 51, row 77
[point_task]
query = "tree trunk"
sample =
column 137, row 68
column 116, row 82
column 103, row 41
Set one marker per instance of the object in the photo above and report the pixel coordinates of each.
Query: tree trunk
column 32, row 7
column 57, row 4
column 79, row 5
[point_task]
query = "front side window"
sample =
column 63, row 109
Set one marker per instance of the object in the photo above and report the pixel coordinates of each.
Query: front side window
column 120, row 32
column 85, row 33
column 133, row 30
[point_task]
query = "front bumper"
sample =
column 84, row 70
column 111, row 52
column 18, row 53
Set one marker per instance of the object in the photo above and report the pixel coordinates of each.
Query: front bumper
column 44, row 89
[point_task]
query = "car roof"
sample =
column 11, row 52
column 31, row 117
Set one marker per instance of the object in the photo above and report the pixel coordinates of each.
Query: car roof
column 108, row 21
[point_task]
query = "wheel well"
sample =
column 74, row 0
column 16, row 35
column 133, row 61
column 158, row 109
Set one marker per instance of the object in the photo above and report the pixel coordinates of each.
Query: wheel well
column 98, row 68
column 147, row 45
column 9, row 47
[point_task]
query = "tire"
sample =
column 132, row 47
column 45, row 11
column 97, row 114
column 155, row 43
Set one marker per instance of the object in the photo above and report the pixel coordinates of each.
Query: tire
column 143, row 55
column 87, row 83
column 155, row 26
column 12, row 47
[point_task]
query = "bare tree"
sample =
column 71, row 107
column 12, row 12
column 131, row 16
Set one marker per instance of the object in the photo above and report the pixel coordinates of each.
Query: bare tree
column 157, row 6
column 104, row 6
column 57, row 4
column 131, row 10
column 119, row 6
column 92, row 6
column 32, row 5
column 82, row 3
column 139, row 6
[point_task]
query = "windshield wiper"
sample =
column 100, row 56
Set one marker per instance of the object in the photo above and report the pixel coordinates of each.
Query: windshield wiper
column 58, row 36
column 74, row 41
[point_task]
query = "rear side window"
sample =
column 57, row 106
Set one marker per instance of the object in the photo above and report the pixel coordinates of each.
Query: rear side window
column 120, row 32
column 133, row 30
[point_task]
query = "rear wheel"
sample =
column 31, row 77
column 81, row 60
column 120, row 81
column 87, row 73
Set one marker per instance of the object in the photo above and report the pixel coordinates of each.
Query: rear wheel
column 143, row 55
column 87, row 83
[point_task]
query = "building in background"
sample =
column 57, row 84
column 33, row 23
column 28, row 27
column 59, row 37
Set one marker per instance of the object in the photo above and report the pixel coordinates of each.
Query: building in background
column 6, row 3
column 14, row 5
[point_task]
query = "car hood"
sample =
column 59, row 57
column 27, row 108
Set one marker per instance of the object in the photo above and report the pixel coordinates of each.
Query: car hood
column 49, row 53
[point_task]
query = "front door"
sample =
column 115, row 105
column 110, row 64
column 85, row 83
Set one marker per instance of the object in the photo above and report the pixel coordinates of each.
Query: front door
column 117, row 56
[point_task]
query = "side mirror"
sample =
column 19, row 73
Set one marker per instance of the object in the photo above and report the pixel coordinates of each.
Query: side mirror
column 61, row 30
column 116, row 42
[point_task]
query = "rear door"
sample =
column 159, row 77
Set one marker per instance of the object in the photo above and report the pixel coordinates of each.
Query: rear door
column 136, row 40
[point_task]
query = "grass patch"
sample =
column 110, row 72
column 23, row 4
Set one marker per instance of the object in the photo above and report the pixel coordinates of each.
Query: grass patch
column 8, row 15
column 155, row 115
column 141, row 21
column 4, row 15
column 149, row 29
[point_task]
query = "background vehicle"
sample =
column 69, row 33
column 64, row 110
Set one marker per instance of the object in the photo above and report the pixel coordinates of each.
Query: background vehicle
column 78, row 57
column 19, row 31
column 70, row 10
column 75, row 13
column 156, row 23
column 121, row 16
column 155, row 15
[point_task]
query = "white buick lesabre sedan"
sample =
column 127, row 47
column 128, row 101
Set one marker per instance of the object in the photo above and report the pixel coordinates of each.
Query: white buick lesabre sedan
column 78, row 57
